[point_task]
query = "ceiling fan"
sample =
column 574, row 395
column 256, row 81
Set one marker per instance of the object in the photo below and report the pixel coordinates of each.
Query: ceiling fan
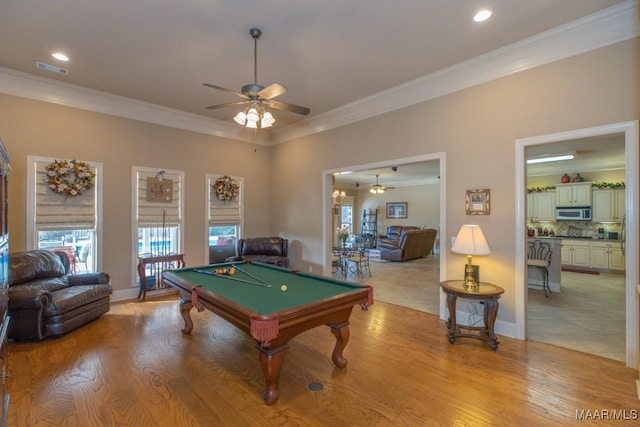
column 257, row 97
column 379, row 189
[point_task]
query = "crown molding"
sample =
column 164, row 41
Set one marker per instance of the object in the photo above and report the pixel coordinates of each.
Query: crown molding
column 609, row 26
column 30, row 86
column 604, row 28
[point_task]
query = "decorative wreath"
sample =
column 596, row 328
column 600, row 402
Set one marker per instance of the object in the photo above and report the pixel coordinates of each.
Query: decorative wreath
column 226, row 189
column 69, row 178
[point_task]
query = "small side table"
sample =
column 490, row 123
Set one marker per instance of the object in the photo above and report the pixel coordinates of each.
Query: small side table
column 488, row 294
column 143, row 260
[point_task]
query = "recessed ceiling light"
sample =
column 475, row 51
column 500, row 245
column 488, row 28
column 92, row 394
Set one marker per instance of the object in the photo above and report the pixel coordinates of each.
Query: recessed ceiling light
column 60, row 56
column 483, row 15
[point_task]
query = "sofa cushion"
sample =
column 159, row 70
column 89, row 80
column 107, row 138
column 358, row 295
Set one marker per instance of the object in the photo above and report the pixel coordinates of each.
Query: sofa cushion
column 33, row 265
column 71, row 298
column 50, row 284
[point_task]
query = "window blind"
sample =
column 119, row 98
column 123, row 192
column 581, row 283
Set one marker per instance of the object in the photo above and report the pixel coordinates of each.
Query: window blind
column 55, row 211
column 159, row 213
column 224, row 212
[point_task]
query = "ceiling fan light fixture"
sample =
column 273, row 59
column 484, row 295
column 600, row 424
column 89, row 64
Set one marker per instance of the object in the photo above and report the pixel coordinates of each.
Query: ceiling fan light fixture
column 267, row 120
column 252, row 115
column 240, row 118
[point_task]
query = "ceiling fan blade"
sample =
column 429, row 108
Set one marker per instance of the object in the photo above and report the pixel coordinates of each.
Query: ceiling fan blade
column 272, row 91
column 228, row 104
column 226, row 90
column 279, row 105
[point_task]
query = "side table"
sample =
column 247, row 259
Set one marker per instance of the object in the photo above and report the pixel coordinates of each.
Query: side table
column 488, row 294
column 143, row 260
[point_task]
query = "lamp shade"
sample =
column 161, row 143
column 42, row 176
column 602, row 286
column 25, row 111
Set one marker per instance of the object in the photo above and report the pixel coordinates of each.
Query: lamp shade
column 470, row 241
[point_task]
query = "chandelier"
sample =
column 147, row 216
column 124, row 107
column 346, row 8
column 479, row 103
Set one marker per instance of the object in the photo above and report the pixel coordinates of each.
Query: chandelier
column 253, row 116
column 336, row 196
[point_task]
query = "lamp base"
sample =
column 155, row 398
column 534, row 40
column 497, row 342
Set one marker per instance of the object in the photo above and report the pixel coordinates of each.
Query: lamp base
column 471, row 277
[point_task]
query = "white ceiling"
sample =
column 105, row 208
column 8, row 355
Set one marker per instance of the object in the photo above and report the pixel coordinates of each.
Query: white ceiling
column 328, row 53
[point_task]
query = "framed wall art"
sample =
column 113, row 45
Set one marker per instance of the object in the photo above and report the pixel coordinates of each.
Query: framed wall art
column 478, row 202
column 397, row 210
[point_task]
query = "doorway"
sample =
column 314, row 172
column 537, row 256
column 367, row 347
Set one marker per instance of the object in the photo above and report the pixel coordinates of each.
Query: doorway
column 630, row 132
column 328, row 216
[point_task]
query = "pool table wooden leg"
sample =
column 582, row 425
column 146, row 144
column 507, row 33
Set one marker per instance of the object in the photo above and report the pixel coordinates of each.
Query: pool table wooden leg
column 341, row 332
column 185, row 309
column 271, row 361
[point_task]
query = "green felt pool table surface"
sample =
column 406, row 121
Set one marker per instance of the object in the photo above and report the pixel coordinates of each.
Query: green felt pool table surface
column 301, row 289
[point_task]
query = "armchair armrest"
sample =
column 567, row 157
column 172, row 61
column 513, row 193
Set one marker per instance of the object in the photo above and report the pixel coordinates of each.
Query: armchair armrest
column 27, row 300
column 89, row 279
column 234, row 259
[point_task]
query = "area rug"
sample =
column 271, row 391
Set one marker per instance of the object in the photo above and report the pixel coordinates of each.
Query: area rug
column 580, row 270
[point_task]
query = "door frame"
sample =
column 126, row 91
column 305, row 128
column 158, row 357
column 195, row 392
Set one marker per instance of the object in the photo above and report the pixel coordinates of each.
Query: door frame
column 630, row 130
column 327, row 230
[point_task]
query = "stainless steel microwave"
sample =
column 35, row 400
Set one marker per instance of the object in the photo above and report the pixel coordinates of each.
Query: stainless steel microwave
column 573, row 214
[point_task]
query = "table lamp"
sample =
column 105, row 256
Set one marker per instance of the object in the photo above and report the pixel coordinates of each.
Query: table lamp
column 470, row 241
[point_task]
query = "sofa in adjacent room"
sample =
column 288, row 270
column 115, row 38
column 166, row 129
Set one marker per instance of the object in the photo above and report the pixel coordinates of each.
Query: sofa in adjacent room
column 45, row 300
column 411, row 243
column 270, row 250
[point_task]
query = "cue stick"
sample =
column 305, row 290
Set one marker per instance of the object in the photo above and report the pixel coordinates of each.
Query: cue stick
column 230, row 278
column 237, row 267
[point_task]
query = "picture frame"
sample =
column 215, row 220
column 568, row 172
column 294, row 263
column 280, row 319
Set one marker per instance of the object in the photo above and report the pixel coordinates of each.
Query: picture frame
column 478, row 202
column 397, row 210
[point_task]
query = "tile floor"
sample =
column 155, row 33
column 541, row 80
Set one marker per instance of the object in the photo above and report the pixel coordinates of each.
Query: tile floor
column 588, row 316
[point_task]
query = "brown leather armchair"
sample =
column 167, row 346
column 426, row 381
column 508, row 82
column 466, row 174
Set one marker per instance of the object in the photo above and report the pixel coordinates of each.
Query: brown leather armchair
column 412, row 243
column 270, row 250
column 44, row 300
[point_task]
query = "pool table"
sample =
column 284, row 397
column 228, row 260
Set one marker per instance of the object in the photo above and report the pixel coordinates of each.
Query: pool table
column 254, row 300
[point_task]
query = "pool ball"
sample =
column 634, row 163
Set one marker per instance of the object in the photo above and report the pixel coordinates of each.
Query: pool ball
column 283, row 288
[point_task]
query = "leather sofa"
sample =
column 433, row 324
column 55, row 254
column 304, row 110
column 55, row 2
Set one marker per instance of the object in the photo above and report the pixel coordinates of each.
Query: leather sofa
column 394, row 231
column 411, row 243
column 270, row 250
column 45, row 300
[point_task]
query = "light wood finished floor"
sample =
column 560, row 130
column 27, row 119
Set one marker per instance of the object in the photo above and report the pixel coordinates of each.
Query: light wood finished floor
column 588, row 316
column 133, row 367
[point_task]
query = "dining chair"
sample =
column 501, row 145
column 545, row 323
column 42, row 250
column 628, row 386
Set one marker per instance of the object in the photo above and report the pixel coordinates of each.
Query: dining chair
column 359, row 261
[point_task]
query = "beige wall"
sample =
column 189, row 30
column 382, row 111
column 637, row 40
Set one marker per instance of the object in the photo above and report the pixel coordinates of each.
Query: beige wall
column 42, row 129
column 423, row 206
column 476, row 128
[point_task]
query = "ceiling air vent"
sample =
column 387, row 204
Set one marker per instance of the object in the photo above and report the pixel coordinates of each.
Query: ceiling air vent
column 52, row 68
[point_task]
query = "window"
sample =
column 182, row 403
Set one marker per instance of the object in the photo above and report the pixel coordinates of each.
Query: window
column 346, row 214
column 71, row 224
column 224, row 219
column 157, row 200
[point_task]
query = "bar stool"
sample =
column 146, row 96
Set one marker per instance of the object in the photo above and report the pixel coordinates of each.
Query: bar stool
column 539, row 258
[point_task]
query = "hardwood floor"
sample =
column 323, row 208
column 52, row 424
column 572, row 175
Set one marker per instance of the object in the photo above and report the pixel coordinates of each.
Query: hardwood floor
column 133, row 367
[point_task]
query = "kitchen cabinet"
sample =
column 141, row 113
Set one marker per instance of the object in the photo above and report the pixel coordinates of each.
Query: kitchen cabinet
column 541, row 206
column 575, row 252
column 609, row 205
column 577, row 194
column 607, row 255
